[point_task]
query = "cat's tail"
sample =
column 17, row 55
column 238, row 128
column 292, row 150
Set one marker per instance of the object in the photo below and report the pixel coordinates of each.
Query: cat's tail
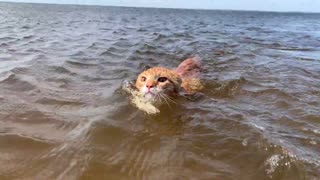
column 190, row 68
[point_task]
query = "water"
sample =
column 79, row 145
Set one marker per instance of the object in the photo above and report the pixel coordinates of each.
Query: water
column 63, row 114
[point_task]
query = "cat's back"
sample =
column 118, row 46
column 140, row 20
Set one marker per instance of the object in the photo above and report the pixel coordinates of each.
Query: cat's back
column 190, row 68
column 190, row 72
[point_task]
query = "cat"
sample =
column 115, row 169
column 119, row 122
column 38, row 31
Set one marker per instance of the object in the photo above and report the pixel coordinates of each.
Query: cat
column 157, row 84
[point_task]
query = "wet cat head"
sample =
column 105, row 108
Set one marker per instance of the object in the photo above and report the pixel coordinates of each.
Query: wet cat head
column 157, row 83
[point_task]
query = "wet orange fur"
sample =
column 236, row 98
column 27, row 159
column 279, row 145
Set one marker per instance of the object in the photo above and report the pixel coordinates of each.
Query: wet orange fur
column 190, row 71
column 173, row 84
column 185, row 78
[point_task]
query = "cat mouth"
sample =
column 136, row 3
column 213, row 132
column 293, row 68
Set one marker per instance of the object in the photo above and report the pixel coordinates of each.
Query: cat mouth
column 150, row 93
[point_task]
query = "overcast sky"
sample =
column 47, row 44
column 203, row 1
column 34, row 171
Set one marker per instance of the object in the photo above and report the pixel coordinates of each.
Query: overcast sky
column 260, row 5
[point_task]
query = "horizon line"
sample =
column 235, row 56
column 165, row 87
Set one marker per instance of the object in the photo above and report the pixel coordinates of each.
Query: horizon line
column 151, row 7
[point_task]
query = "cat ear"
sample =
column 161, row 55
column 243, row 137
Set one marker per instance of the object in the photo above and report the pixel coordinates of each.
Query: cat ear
column 146, row 67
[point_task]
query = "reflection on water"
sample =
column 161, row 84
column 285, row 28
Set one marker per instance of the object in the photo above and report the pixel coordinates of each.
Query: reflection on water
column 63, row 114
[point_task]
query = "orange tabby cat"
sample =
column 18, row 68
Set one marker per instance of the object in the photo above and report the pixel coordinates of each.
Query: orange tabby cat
column 157, row 84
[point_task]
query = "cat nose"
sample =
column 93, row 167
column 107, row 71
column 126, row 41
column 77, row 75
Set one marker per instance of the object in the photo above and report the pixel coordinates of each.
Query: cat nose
column 149, row 86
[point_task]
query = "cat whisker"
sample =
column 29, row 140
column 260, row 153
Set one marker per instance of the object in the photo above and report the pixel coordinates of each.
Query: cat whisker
column 169, row 98
column 165, row 99
column 157, row 98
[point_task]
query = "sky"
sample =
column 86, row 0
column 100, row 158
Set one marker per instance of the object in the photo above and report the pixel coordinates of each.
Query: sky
column 259, row 5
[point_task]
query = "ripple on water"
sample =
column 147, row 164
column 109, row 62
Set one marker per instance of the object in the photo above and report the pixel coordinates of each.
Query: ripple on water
column 80, row 65
column 62, row 115
column 111, row 54
column 17, row 83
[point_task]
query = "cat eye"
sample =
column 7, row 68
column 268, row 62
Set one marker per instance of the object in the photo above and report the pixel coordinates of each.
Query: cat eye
column 162, row 79
column 143, row 79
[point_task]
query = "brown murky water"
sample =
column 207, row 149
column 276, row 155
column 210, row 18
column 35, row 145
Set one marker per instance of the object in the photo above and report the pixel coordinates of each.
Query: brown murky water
column 63, row 114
